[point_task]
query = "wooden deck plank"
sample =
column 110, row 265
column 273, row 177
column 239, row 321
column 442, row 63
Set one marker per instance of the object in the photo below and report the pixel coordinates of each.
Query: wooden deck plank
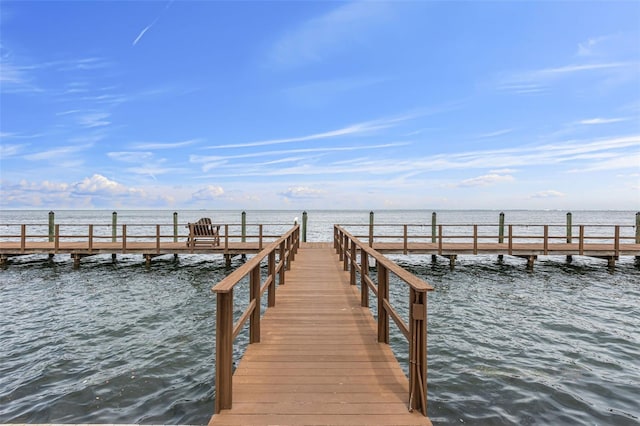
column 319, row 361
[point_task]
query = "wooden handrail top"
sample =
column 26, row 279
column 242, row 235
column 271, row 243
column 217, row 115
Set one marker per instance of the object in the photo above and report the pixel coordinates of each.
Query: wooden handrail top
column 414, row 282
column 230, row 281
column 460, row 225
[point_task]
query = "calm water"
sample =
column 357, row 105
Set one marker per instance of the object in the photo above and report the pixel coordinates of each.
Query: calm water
column 120, row 343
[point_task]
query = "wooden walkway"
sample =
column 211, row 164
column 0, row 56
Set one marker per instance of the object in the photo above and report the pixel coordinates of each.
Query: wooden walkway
column 319, row 360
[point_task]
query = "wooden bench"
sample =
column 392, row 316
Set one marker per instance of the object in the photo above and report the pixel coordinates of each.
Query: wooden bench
column 203, row 232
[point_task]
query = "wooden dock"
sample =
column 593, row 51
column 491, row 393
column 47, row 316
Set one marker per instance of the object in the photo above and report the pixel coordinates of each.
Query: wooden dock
column 319, row 360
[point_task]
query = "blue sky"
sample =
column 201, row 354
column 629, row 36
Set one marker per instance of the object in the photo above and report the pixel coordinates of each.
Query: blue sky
column 311, row 105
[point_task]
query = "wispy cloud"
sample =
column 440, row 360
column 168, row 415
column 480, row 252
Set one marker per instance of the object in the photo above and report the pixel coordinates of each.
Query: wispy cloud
column 551, row 193
column 56, row 153
column 540, row 80
column 485, row 180
column 216, row 158
column 602, row 120
column 94, row 119
column 336, row 31
column 494, row 134
column 148, row 27
column 353, row 129
column 166, row 145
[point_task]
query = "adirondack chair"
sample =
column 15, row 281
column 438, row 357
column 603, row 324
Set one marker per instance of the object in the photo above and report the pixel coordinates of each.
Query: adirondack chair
column 203, row 232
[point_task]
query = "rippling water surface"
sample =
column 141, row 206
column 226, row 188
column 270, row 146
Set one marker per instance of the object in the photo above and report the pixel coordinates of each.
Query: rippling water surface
column 120, row 343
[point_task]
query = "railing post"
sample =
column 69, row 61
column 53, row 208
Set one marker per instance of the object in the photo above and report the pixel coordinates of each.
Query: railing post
column 345, row 248
column 336, row 245
column 383, row 295
column 23, row 237
column 616, row 243
column 51, row 225
column 406, row 239
column 418, row 350
column 364, row 287
column 283, row 261
column 244, row 228
column 501, row 228
column 224, row 350
column 510, row 240
column 157, row 239
column 175, row 227
column 581, row 243
column 254, row 294
column 569, row 228
column 226, row 238
column 440, row 240
column 638, row 228
column 371, row 229
column 271, row 292
column 546, row 239
column 475, row 239
column 352, row 273
column 289, row 253
column 340, row 242
column 57, row 239
column 114, row 224
column 90, row 238
column 124, row 238
column 304, row 227
column 260, row 237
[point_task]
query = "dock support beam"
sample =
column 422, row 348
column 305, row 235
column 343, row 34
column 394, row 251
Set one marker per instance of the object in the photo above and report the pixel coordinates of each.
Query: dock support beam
column 569, row 235
column 76, row 259
column 452, row 261
column 4, row 259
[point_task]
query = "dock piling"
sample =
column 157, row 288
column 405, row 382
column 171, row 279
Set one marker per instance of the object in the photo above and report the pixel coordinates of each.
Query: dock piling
column 501, row 234
column 569, row 234
column 371, row 229
column 304, row 226
column 51, row 225
column 244, row 226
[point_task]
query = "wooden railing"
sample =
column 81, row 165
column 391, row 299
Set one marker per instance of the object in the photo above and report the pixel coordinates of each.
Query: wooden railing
column 226, row 331
column 159, row 233
column 415, row 332
column 546, row 235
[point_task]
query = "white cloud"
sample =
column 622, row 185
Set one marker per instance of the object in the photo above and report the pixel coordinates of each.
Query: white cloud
column 209, row 192
column 98, row 184
column 548, row 194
